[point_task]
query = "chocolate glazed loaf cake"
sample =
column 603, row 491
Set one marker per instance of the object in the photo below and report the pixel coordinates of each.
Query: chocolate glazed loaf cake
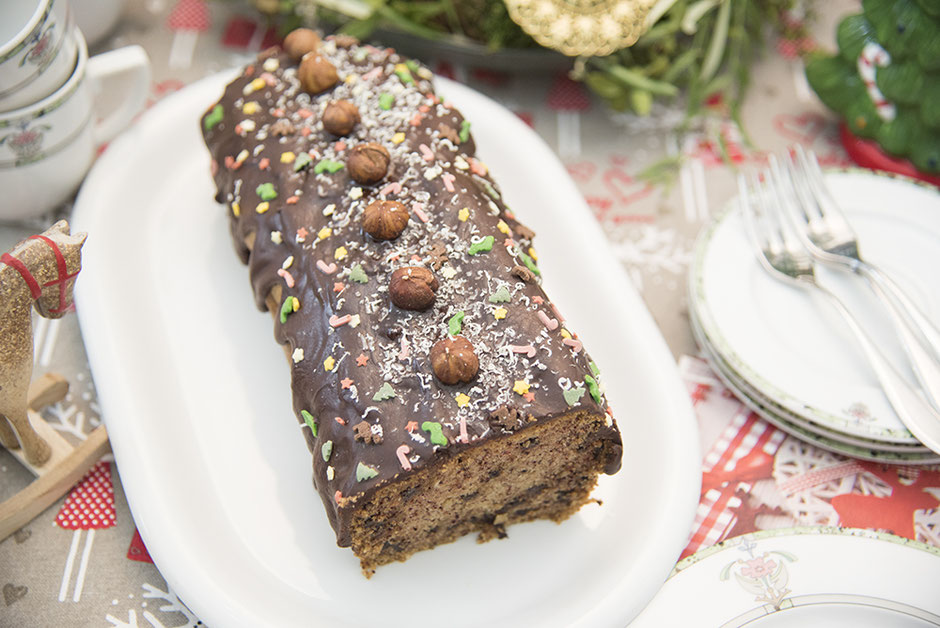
column 436, row 385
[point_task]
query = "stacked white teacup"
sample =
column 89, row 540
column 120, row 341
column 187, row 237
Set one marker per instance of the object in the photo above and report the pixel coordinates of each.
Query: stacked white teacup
column 57, row 104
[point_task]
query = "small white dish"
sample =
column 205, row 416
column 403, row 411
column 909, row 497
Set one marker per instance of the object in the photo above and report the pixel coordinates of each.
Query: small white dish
column 32, row 34
column 195, row 394
column 812, row 577
column 47, row 147
column 791, row 347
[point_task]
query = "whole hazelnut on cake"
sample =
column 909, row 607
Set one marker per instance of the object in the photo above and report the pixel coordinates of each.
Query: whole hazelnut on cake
column 345, row 41
column 340, row 117
column 413, row 288
column 316, row 74
column 385, row 220
column 299, row 42
column 454, row 361
column 368, row 163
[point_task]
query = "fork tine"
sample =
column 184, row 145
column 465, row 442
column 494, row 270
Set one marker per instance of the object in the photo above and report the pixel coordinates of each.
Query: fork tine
column 777, row 253
column 825, row 204
column 780, row 193
column 795, row 219
column 808, row 213
column 757, row 238
column 747, row 210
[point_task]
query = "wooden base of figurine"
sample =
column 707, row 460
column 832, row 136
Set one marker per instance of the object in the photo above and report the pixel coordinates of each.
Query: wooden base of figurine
column 64, row 468
column 868, row 154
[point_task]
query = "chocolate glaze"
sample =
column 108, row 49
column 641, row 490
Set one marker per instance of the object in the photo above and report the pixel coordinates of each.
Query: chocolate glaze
column 354, row 342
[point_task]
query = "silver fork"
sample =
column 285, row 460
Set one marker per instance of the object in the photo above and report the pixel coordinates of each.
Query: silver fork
column 827, row 235
column 783, row 256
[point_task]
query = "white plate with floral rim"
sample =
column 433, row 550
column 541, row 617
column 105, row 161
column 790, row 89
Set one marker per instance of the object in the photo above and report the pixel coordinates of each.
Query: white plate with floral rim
column 195, row 394
column 809, row 577
column 793, row 347
column 877, row 451
column 776, row 415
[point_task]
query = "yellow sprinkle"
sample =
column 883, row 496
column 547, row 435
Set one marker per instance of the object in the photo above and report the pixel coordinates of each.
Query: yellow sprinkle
column 288, row 262
column 295, row 304
column 502, row 226
column 401, row 67
column 448, row 272
column 521, row 387
column 500, row 313
column 565, row 333
column 251, row 107
column 262, row 207
column 398, row 138
column 242, row 156
column 351, row 78
column 340, row 253
column 329, row 363
column 462, row 399
column 324, row 233
column 236, row 209
column 532, row 254
column 463, row 214
column 297, row 355
column 257, row 84
column 288, row 157
column 355, row 193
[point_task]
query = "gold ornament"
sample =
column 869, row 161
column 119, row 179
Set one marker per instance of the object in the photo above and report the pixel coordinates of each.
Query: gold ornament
column 582, row 27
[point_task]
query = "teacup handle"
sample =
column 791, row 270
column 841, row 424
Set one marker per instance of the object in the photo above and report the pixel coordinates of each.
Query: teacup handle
column 131, row 66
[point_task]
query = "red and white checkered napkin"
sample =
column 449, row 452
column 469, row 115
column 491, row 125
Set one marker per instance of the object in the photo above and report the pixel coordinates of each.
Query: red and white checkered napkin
column 755, row 476
column 742, row 455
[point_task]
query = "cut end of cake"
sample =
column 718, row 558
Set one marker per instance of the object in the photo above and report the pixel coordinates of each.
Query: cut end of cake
column 545, row 471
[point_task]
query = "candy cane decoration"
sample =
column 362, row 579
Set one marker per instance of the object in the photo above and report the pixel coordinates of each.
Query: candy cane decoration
column 448, row 180
column 329, row 269
column 418, row 209
column 402, row 453
column 550, row 323
column 392, row 188
column 874, row 56
column 528, row 350
column 575, row 345
column 288, row 278
column 339, row 321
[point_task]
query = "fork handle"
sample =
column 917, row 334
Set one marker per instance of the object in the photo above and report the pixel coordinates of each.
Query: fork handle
column 916, row 414
column 905, row 315
column 881, row 281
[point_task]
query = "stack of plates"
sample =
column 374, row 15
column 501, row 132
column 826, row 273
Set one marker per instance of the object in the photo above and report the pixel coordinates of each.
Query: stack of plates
column 785, row 351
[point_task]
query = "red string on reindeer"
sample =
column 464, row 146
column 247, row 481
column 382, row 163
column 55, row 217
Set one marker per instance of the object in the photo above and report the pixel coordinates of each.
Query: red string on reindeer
column 39, row 273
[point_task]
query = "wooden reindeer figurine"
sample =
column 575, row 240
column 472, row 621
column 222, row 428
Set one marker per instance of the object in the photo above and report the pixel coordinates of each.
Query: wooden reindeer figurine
column 40, row 271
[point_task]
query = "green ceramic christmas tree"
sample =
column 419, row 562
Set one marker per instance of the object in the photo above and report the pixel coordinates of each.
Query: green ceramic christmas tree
column 885, row 79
